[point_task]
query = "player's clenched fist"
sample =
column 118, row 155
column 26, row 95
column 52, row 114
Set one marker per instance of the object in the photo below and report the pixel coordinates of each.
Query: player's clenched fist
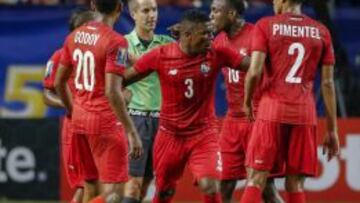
column 135, row 145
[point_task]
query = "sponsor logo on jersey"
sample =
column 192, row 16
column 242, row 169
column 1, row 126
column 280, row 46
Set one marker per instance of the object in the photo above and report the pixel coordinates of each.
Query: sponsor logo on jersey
column 243, row 51
column 204, row 68
column 173, row 71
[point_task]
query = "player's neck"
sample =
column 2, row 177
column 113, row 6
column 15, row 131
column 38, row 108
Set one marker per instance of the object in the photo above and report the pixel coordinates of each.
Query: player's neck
column 293, row 9
column 110, row 21
column 143, row 34
column 186, row 50
column 236, row 27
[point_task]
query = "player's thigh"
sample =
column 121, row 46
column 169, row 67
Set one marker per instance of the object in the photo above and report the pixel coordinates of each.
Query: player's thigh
column 111, row 156
column 233, row 144
column 265, row 146
column 302, row 151
column 81, row 153
column 169, row 158
column 205, row 158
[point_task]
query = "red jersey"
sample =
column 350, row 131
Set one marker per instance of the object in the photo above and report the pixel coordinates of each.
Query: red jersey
column 187, row 84
column 93, row 50
column 295, row 45
column 51, row 69
column 235, row 79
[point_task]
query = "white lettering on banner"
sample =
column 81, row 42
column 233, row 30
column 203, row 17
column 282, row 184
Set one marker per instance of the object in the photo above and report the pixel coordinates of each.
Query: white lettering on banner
column 332, row 170
column 329, row 176
column 20, row 165
column 351, row 155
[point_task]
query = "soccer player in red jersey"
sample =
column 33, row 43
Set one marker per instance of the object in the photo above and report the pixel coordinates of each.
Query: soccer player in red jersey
column 284, row 134
column 187, row 132
column 97, row 56
column 230, row 26
column 69, row 157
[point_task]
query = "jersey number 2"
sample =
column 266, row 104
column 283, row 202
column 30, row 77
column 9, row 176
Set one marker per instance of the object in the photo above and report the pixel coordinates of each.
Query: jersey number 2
column 291, row 78
column 85, row 67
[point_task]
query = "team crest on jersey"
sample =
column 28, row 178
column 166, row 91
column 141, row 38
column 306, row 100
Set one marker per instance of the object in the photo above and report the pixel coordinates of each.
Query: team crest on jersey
column 49, row 68
column 205, row 68
column 122, row 57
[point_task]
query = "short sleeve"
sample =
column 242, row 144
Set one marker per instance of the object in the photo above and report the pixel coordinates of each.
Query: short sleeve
column 328, row 50
column 117, row 57
column 51, row 68
column 148, row 62
column 259, row 41
column 66, row 59
column 229, row 56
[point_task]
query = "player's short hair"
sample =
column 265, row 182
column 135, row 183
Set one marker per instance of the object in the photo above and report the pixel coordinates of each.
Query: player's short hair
column 106, row 6
column 195, row 16
column 238, row 5
column 79, row 17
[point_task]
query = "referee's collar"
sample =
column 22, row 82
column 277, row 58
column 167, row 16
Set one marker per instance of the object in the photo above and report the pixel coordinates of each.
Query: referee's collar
column 136, row 40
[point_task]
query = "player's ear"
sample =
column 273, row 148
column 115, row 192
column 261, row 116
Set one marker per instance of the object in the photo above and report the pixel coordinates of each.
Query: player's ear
column 232, row 14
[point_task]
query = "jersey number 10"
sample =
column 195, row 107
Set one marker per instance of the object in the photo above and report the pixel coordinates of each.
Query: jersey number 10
column 85, row 66
column 291, row 78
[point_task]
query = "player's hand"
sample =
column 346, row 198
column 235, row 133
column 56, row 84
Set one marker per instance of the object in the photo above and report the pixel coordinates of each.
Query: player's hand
column 135, row 145
column 331, row 145
column 132, row 58
column 127, row 95
column 248, row 110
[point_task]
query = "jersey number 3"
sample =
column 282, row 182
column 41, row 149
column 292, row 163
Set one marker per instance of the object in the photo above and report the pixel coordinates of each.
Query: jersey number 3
column 291, row 78
column 85, row 67
column 189, row 93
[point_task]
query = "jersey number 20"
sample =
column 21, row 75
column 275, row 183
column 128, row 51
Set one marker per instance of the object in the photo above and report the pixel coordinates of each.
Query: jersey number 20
column 291, row 78
column 85, row 67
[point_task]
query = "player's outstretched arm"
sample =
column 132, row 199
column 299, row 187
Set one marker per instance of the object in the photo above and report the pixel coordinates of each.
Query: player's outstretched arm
column 251, row 79
column 131, row 76
column 51, row 99
column 61, row 78
column 331, row 141
column 119, row 106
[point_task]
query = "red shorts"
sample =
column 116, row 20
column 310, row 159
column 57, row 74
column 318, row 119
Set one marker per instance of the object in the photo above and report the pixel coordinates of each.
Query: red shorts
column 233, row 141
column 172, row 153
column 70, row 157
column 103, row 156
column 280, row 146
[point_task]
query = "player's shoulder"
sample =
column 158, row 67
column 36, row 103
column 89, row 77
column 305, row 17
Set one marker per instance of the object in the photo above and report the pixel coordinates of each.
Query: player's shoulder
column 57, row 54
column 116, row 39
column 266, row 20
column 220, row 39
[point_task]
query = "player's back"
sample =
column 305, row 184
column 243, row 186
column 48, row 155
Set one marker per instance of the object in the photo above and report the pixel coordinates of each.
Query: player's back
column 296, row 44
column 89, row 46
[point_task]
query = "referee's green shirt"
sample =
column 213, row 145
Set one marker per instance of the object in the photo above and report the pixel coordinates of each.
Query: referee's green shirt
column 146, row 92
